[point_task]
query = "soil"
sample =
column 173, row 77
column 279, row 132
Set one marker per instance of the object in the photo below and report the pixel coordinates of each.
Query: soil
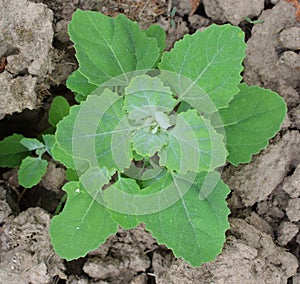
column 263, row 243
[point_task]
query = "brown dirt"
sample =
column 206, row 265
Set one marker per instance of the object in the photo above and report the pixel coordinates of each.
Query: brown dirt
column 264, row 240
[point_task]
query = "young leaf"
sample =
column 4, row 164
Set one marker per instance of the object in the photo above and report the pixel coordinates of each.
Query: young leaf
column 194, row 229
column 31, row 171
column 147, row 144
column 145, row 96
column 125, row 47
column 193, row 145
column 83, row 225
column 49, row 141
column 40, row 152
column 58, row 110
column 32, row 143
column 212, row 59
column 12, row 152
column 252, row 118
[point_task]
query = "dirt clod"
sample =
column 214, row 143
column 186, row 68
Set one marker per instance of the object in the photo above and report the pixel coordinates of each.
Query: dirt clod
column 290, row 38
column 263, row 64
column 292, row 183
column 25, row 39
column 293, row 209
column 253, row 182
column 249, row 256
column 124, row 252
column 233, row 11
column 54, row 178
column 286, row 232
column 5, row 210
column 26, row 251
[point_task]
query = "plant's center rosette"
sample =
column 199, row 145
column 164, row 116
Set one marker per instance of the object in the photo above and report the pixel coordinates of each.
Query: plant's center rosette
column 141, row 141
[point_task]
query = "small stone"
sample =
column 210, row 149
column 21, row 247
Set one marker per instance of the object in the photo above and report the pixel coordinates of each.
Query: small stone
column 291, row 184
column 233, row 11
column 293, row 209
column 290, row 38
column 5, row 210
column 54, row 178
column 61, row 31
column 198, row 21
column 289, row 94
column 296, row 279
column 184, row 7
column 139, row 279
column 294, row 115
column 286, row 232
column 291, row 59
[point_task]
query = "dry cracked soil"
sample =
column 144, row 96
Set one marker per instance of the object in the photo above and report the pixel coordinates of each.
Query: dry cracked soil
column 263, row 242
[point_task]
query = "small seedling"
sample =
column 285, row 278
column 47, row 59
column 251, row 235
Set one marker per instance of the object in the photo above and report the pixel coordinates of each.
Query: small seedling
column 16, row 150
column 254, row 22
column 172, row 15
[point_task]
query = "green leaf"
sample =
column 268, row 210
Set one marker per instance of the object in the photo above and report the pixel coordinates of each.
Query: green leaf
column 252, row 118
column 162, row 120
column 50, row 130
column 193, row 228
column 96, row 133
column 212, row 59
column 123, row 46
column 145, row 96
column 62, row 148
column 147, row 144
column 49, row 141
column 12, row 152
column 193, row 145
column 136, row 156
column 155, row 31
column 158, row 182
column 31, row 171
column 79, row 84
column 71, row 175
column 32, row 143
column 163, row 191
column 83, row 225
column 113, row 147
column 129, row 186
column 184, row 106
column 145, row 170
column 58, row 110
column 62, row 156
column 40, row 152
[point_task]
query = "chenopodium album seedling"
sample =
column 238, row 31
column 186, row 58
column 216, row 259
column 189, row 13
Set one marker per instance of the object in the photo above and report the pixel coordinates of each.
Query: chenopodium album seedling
column 17, row 151
column 151, row 133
